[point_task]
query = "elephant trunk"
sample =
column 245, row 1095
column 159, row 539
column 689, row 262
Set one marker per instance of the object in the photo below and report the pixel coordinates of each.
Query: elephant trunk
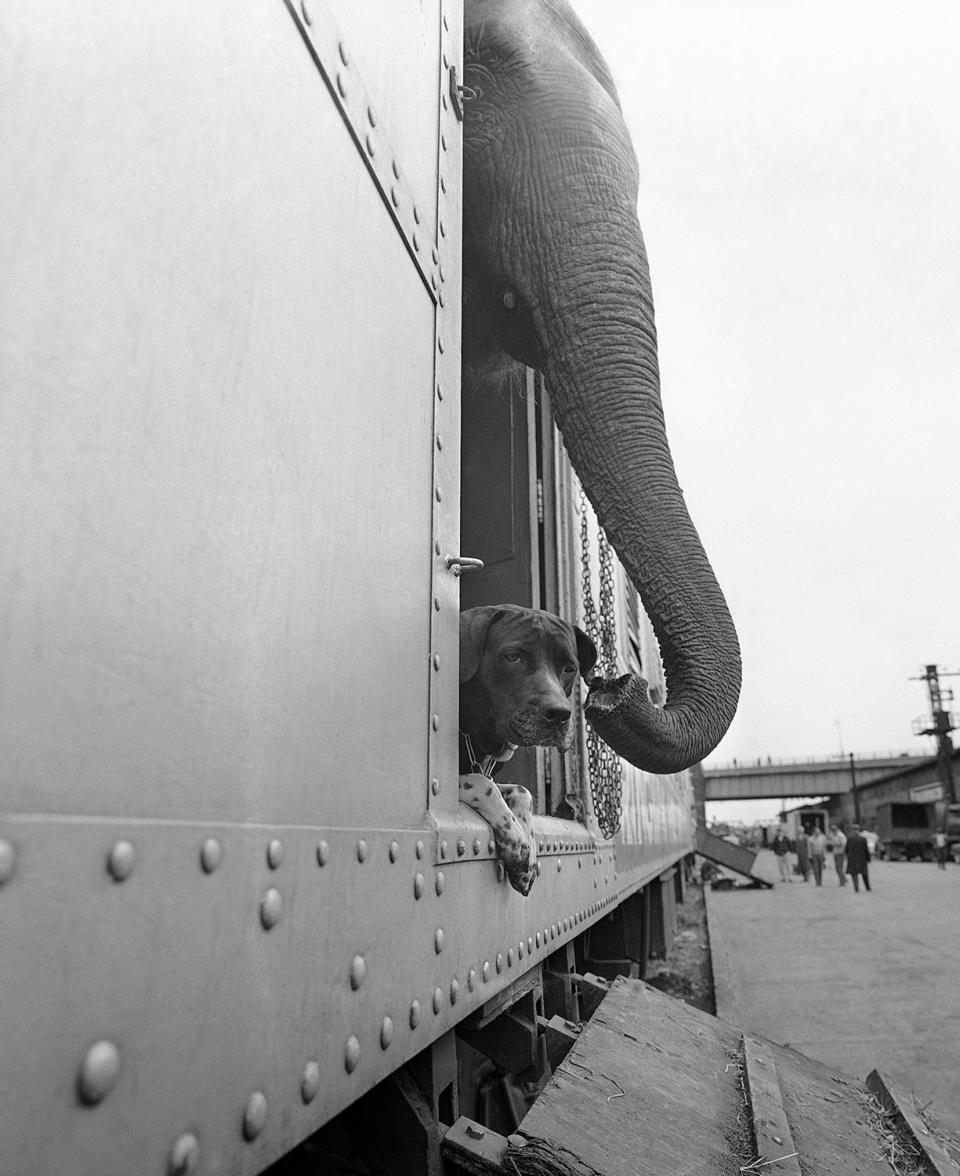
column 602, row 372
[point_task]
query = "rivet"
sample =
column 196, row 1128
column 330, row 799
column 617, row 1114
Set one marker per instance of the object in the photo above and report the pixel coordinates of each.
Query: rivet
column 435, row 255
column 476, row 845
column 395, row 197
column 441, row 299
column 416, row 241
column 439, row 441
column 471, row 979
column 361, row 850
column 435, row 786
column 443, row 184
column 418, row 849
column 98, row 1072
column 414, row 1014
column 579, row 863
column 435, row 721
column 443, row 849
column 499, row 961
column 437, row 1000
column 396, row 169
column 530, row 942
column 446, row 61
column 546, row 935
column 274, row 853
column 306, row 13
column 341, row 85
column 440, row 882
column 351, row 1057
column 559, row 865
column 538, row 939
column 461, row 847
column 394, row 851
column 501, row 872
column 371, row 116
column 438, row 492
column 370, row 149
column 323, row 853
column 271, row 907
column 439, row 391
column 211, row 854
column 485, row 971
column 386, row 1032
column 443, row 229
column 438, row 940
column 443, row 101
column 436, row 547
column 184, row 1155
column 443, row 144
column 443, row 274
column 358, row 971
column 121, row 860
column 440, row 344
column 521, row 950
column 538, row 869
column 454, row 991
column 553, row 930
column 310, row 1082
column 418, row 886
column 343, row 53
column 445, row 22
column 491, row 845
column 416, row 214
column 8, row 861
column 509, row 957
column 436, row 661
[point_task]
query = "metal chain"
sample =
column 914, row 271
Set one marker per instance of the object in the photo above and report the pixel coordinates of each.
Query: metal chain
column 605, row 768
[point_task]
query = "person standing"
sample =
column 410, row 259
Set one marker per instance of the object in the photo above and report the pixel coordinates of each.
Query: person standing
column 803, row 856
column 858, row 854
column 940, row 846
column 781, row 847
column 839, row 841
column 817, row 843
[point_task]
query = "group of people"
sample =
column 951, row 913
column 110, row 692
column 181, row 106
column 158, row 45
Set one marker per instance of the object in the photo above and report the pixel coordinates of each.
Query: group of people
column 850, row 854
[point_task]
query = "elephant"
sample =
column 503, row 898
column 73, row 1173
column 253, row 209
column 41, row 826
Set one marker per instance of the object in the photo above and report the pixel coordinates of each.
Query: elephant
column 555, row 276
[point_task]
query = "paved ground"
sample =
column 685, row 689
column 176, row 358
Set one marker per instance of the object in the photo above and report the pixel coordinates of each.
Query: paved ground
column 860, row 981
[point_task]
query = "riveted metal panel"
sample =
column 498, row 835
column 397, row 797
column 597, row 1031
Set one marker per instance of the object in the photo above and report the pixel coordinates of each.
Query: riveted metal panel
column 219, row 386
column 247, row 982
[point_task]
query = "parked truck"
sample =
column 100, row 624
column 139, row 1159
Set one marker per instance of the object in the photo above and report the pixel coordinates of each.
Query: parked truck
column 905, row 830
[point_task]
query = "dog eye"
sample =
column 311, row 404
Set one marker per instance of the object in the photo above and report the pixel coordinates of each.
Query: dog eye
column 569, row 668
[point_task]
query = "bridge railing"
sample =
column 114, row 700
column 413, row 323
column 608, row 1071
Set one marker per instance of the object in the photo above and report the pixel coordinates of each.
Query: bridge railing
column 837, row 758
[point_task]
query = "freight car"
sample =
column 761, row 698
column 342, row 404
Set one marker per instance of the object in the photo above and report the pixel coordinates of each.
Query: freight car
column 239, row 896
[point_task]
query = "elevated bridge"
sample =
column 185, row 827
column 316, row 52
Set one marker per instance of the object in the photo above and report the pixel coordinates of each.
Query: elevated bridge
column 824, row 776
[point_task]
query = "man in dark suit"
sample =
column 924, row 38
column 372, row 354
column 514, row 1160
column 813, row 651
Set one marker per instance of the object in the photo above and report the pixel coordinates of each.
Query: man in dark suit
column 858, row 854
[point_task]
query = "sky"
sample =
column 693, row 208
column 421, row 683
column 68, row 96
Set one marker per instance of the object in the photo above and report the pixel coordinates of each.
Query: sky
column 800, row 201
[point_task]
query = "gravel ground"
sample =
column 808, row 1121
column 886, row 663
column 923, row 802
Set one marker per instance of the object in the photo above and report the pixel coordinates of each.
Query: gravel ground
column 686, row 973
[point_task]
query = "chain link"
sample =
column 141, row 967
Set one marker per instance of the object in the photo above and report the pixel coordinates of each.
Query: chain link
column 605, row 768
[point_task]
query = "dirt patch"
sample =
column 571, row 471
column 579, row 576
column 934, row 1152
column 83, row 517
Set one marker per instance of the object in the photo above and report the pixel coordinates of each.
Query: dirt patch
column 687, row 972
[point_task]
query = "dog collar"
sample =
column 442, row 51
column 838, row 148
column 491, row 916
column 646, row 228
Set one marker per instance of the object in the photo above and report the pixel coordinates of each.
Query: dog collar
column 487, row 766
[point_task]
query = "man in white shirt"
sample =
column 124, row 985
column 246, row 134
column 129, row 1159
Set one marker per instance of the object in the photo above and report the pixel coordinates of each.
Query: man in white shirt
column 838, row 840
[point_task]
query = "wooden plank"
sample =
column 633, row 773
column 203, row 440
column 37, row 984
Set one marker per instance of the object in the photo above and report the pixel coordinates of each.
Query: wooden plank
column 895, row 1101
column 774, row 1139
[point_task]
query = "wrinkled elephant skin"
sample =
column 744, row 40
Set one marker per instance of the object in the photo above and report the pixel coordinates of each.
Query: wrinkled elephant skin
column 555, row 276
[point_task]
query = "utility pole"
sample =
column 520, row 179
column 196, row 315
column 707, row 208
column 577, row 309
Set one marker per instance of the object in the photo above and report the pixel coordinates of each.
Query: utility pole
column 853, row 790
column 939, row 724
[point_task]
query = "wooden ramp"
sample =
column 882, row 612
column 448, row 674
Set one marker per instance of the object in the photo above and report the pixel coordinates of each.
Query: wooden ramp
column 730, row 856
column 653, row 1087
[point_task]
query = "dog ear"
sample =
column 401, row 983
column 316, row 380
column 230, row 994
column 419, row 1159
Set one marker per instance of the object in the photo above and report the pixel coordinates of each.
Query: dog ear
column 474, row 625
column 586, row 652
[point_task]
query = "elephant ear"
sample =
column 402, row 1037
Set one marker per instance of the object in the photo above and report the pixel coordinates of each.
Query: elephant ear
column 586, row 652
column 475, row 624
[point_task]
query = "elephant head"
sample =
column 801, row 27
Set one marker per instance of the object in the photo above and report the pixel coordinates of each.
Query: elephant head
column 556, row 276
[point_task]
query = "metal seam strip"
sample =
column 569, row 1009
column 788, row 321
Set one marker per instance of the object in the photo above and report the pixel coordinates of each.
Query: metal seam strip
column 331, row 56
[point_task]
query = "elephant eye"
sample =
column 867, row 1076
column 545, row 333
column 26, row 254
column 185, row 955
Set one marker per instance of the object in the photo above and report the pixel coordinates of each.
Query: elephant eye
column 511, row 655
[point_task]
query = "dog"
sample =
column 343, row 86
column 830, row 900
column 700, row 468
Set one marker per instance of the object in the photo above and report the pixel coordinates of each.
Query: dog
column 518, row 667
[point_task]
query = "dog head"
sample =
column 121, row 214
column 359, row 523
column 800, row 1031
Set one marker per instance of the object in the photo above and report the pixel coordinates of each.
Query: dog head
column 518, row 667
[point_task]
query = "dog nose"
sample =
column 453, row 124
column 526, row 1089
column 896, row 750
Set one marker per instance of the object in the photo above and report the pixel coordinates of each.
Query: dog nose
column 557, row 714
